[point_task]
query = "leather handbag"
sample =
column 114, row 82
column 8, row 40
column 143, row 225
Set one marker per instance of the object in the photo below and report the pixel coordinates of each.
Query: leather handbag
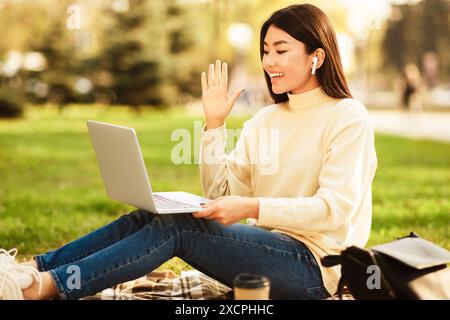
column 409, row 268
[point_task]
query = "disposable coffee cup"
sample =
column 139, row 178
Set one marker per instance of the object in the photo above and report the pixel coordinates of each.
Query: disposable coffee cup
column 251, row 287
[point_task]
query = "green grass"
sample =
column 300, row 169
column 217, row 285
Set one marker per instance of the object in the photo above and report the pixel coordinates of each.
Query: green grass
column 51, row 191
column 411, row 190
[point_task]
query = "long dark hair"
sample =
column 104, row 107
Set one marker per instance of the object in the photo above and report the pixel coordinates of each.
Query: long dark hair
column 310, row 25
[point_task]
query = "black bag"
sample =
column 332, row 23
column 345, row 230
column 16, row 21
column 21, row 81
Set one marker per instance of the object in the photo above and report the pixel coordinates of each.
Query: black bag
column 407, row 268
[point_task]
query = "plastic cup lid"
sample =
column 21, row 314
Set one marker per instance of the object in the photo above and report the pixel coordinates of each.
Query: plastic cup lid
column 250, row 281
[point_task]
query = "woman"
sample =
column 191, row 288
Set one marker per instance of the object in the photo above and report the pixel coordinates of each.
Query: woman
column 316, row 201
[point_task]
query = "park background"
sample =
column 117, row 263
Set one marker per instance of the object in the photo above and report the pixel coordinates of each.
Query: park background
column 138, row 63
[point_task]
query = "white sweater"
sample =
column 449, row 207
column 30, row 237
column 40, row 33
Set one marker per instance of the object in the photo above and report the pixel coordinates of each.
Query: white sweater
column 311, row 162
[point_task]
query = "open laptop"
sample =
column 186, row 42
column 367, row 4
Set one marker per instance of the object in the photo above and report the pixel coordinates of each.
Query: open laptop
column 124, row 174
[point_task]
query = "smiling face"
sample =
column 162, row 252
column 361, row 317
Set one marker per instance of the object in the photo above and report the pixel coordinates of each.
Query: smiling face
column 287, row 63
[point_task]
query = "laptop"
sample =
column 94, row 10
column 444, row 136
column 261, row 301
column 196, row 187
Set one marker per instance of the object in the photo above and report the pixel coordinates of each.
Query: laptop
column 124, row 174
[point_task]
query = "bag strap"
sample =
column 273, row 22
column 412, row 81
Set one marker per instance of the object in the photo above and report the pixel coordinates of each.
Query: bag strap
column 331, row 261
column 384, row 281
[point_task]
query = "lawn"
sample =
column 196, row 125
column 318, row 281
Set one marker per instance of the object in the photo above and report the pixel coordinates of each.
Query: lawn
column 51, row 191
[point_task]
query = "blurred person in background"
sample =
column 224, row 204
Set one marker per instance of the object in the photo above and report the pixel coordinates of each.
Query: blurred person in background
column 412, row 88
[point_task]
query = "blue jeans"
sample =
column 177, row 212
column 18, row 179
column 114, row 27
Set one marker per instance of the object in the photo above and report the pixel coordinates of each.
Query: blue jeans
column 139, row 242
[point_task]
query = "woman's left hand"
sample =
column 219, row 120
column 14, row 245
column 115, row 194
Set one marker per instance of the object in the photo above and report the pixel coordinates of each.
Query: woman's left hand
column 230, row 209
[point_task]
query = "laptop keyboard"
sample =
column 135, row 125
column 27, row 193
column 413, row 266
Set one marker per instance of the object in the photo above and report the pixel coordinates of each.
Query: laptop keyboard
column 165, row 203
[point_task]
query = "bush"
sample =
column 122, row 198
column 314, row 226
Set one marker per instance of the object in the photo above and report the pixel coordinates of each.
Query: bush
column 11, row 105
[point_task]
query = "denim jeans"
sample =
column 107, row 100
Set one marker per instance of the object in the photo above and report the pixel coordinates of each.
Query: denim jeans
column 139, row 242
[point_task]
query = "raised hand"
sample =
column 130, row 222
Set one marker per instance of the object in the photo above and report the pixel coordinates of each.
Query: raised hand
column 216, row 103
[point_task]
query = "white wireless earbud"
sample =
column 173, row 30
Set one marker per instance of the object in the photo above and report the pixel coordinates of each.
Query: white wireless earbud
column 315, row 60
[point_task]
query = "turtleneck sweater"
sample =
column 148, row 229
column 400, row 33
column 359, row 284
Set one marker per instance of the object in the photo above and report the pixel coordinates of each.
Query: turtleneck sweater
column 310, row 161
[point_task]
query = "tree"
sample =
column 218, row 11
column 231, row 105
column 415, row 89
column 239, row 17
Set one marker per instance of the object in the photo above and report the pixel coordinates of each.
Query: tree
column 414, row 30
column 135, row 76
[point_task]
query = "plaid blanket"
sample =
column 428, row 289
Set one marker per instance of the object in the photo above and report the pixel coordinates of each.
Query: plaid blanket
column 167, row 285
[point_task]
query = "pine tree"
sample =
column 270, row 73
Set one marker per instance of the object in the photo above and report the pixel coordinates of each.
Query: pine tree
column 136, row 75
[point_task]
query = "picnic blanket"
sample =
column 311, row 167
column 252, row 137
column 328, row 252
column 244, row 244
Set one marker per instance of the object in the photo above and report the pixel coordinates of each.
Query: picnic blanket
column 167, row 285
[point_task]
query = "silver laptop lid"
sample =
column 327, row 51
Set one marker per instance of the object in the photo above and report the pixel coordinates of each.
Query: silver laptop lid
column 121, row 164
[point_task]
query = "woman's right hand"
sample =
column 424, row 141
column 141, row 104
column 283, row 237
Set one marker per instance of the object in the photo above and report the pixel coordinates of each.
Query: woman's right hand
column 216, row 104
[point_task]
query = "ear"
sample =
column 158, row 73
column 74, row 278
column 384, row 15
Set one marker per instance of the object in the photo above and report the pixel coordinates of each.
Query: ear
column 320, row 54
